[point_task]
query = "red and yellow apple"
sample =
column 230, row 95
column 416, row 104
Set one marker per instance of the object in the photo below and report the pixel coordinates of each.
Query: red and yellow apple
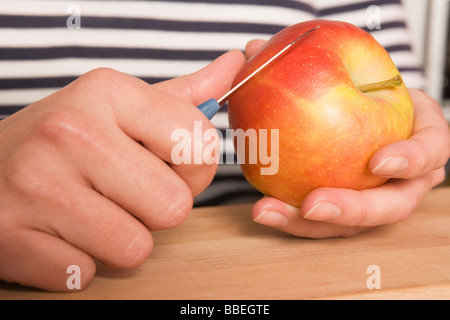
column 333, row 101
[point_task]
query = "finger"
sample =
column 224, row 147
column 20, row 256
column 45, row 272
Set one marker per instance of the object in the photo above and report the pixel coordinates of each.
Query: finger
column 182, row 136
column 151, row 115
column 329, row 212
column 428, row 148
column 277, row 214
column 65, row 205
column 389, row 203
column 105, row 231
column 95, row 225
column 37, row 259
column 113, row 164
column 253, row 46
column 136, row 180
column 147, row 115
column 213, row 81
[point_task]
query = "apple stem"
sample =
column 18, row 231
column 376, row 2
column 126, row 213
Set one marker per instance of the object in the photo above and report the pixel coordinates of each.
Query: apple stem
column 394, row 82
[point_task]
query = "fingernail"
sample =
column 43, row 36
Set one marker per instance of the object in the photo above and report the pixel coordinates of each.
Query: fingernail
column 391, row 165
column 323, row 211
column 272, row 219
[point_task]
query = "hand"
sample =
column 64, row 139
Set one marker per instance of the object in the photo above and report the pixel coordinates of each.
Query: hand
column 414, row 166
column 86, row 172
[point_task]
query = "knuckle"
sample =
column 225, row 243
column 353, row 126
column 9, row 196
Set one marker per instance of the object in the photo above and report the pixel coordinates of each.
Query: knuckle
column 30, row 168
column 136, row 250
column 102, row 76
column 178, row 204
column 361, row 217
column 173, row 204
column 106, row 83
column 179, row 209
column 63, row 127
column 361, row 213
column 22, row 178
column 306, row 230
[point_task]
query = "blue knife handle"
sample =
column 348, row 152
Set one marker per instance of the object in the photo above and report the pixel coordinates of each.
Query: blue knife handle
column 209, row 108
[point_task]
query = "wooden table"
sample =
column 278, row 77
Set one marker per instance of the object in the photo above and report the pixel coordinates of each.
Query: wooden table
column 220, row 253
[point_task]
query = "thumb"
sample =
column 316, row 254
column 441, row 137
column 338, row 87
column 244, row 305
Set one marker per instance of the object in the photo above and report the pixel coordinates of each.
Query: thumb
column 213, row 81
column 253, row 46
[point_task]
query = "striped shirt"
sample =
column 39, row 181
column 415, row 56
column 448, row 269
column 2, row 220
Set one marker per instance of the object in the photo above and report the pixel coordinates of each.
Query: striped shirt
column 44, row 45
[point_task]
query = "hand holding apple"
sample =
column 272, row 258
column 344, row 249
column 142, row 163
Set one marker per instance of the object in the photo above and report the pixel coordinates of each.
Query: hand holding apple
column 336, row 99
column 331, row 212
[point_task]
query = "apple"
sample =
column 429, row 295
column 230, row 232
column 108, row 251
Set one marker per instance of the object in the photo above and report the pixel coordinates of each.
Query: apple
column 336, row 98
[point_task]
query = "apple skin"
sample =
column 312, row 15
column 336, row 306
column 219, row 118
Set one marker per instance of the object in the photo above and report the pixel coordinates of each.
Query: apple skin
column 328, row 129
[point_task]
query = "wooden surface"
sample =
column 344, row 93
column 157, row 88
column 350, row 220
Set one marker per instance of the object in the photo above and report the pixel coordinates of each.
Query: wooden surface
column 220, row 253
